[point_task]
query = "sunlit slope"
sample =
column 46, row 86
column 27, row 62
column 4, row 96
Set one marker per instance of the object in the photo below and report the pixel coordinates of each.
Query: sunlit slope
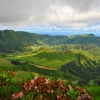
column 49, row 59
column 80, row 64
column 7, row 66
column 5, row 63
column 76, row 64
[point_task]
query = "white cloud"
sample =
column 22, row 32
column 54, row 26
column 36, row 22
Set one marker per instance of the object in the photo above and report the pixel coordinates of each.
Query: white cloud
column 51, row 14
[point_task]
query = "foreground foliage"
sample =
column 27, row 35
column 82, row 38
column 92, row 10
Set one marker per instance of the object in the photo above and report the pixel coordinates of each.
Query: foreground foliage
column 41, row 88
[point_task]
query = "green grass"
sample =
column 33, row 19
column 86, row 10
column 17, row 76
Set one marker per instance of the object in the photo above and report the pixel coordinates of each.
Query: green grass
column 44, row 62
column 28, row 75
column 5, row 63
column 53, row 59
column 51, row 64
column 23, row 75
column 55, row 62
column 63, row 56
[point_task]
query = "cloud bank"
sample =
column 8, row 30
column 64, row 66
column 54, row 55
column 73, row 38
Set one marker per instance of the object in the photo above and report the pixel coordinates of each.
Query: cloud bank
column 50, row 14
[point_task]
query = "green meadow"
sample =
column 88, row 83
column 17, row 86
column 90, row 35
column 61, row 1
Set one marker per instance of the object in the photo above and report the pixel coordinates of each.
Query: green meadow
column 23, row 75
column 5, row 63
column 50, row 63
column 46, row 59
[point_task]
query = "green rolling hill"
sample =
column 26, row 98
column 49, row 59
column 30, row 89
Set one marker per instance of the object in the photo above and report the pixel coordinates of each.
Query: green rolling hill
column 67, row 65
column 73, row 57
column 11, row 41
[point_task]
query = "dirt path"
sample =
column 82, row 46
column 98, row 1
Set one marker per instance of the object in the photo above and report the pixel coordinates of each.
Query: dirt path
column 39, row 66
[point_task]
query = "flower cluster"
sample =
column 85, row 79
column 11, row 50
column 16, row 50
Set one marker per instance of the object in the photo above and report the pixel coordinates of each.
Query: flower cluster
column 44, row 89
column 12, row 73
column 44, row 85
column 39, row 84
column 63, row 97
column 17, row 95
column 82, row 95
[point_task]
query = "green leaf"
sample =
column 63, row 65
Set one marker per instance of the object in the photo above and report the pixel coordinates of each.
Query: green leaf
column 76, row 94
column 72, row 93
column 71, row 89
column 34, row 74
column 13, row 80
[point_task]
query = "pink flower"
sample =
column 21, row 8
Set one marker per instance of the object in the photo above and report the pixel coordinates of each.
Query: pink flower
column 17, row 95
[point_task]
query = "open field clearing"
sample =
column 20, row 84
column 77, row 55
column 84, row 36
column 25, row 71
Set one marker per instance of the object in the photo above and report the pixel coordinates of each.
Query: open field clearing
column 43, row 62
column 5, row 63
column 23, row 75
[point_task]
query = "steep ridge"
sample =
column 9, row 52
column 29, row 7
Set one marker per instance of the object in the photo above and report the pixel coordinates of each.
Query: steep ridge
column 82, row 67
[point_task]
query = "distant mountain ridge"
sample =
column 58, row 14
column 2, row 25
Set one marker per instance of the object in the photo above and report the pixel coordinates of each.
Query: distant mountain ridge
column 15, row 40
column 83, row 35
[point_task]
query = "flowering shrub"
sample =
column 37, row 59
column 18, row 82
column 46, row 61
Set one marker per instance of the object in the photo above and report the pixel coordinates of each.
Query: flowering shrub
column 44, row 89
column 39, row 88
column 8, row 85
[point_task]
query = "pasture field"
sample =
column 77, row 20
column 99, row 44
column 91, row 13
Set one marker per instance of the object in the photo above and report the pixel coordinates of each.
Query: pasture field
column 5, row 63
column 49, row 64
column 25, row 75
column 33, row 58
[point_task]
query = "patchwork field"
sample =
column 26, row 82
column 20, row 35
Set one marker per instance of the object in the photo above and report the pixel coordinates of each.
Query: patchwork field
column 46, row 62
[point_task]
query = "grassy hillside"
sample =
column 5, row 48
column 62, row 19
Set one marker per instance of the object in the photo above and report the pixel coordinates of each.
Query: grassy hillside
column 11, row 41
column 48, row 58
column 6, row 65
column 71, row 64
column 78, row 59
column 4, row 62
column 77, row 64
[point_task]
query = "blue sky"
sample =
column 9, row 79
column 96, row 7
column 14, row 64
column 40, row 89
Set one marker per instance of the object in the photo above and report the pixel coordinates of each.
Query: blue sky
column 64, row 33
column 55, row 17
